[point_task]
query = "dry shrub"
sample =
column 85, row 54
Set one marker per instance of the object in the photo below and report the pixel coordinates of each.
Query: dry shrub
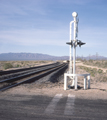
column 8, row 65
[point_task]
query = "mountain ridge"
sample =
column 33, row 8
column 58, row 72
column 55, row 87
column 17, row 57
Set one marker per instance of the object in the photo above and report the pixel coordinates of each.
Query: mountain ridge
column 30, row 56
column 40, row 56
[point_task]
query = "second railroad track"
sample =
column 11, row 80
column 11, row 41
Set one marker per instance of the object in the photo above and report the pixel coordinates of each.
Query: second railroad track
column 28, row 75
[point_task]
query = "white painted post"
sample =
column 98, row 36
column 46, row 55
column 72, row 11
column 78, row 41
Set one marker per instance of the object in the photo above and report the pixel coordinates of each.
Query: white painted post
column 75, row 82
column 89, row 82
column 85, row 83
column 74, row 14
column 70, row 67
column 65, row 81
column 70, row 59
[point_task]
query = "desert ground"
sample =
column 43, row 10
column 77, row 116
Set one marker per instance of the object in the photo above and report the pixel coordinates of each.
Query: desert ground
column 44, row 86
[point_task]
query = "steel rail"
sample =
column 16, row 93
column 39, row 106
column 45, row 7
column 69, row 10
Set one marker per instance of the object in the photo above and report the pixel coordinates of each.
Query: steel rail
column 24, row 72
column 23, row 69
column 27, row 74
column 32, row 79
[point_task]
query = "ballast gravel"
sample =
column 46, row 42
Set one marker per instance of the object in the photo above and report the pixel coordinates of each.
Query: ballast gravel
column 45, row 86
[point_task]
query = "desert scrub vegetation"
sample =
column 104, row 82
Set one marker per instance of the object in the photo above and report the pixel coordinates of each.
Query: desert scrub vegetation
column 98, row 63
column 97, row 74
column 92, row 71
column 4, row 65
column 8, row 65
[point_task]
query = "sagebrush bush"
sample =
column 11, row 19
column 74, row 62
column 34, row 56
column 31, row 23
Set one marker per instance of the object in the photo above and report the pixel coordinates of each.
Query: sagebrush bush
column 8, row 65
column 18, row 65
column 100, row 71
column 104, row 79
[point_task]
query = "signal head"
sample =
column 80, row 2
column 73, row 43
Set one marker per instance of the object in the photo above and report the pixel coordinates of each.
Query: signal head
column 74, row 14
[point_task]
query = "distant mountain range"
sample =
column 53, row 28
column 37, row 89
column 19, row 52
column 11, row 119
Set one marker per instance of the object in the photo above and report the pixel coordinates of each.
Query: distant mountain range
column 37, row 56
column 29, row 56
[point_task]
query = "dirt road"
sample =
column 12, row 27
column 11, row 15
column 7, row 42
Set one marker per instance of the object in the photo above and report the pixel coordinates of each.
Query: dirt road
column 81, row 64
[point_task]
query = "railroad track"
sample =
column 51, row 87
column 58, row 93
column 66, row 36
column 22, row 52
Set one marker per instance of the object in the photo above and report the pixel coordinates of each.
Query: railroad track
column 29, row 75
column 24, row 69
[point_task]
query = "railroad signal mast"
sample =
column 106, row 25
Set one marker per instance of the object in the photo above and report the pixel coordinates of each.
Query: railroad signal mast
column 74, row 42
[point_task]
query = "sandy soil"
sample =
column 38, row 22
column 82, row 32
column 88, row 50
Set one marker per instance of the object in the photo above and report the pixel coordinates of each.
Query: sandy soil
column 97, row 91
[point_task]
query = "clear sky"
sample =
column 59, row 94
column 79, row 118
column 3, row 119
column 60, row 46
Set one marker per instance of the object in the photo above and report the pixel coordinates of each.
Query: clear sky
column 42, row 26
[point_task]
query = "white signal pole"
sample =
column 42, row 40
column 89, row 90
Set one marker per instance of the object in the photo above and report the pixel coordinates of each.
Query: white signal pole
column 74, row 43
column 74, row 14
column 70, row 66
